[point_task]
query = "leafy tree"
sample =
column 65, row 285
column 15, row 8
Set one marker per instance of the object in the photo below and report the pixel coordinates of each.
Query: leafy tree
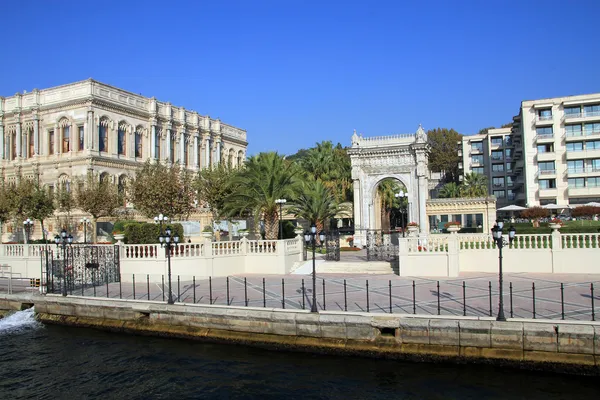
column 65, row 203
column 535, row 213
column 442, row 154
column 315, row 204
column 163, row 189
column 41, row 207
column 254, row 189
column 99, row 198
column 5, row 203
column 449, row 191
column 474, row 185
column 485, row 130
column 585, row 211
column 387, row 190
column 212, row 187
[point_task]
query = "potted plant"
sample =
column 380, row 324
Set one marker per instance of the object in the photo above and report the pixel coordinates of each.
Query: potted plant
column 452, row 226
column 118, row 235
column 350, row 241
column 298, row 230
column 555, row 224
column 207, row 232
column 412, row 227
column 244, row 233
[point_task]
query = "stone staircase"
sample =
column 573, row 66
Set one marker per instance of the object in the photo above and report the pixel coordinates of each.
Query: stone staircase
column 341, row 267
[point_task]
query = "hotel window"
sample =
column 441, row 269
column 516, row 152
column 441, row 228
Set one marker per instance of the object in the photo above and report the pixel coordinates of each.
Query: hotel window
column 498, row 182
column 546, row 166
column 591, row 110
column 121, row 145
column 593, row 182
column 508, row 154
column 573, row 111
column 575, row 146
column 497, row 141
column 511, row 195
column 510, row 166
column 500, row 194
column 592, row 128
column 477, row 160
column 477, row 170
column 547, row 183
column 66, row 142
column 510, row 180
column 138, row 145
column 50, row 142
column 575, row 166
column 477, row 147
column 592, row 145
column 545, row 114
column 545, row 148
column 497, row 167
column 508, row 141
column 595, row 164
column 81, row 138
column 102, row 138
column 576, row 182
column 545, row 131
column 573, row 130
column 497, row 155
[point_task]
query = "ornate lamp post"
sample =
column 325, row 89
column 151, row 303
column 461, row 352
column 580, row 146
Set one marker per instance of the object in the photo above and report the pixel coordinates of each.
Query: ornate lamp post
column 27, row 227
column 281, row 202
column 167, row 241
column 312, row 237
column 500, row 243
column 159, row 220
column 62, row 241
column 401, row 197
column 85, row 221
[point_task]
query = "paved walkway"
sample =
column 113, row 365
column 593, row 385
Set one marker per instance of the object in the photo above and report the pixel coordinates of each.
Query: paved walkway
column 378, row 293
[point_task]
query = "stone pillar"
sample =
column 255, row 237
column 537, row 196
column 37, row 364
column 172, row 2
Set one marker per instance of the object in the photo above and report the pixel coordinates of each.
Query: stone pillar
column 56, row 140
column 422, row 204
column 453, row 260
column 2, row 148
column 19, row 141
column 168, row 146
column 153, row 154
column 182, row 145
column 36, row 136
column 218, row 152
column 89, row 131
column 359, row 234
column 207, row 152
column 196, row 160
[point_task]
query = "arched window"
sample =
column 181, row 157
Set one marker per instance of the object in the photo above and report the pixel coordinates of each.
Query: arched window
column 51, row 142
column 230, row 158
column 240, row 158
column 65, row 128
column 104, row 177
column 138, row 143
column 122, row 139
column 13, row 145
column 103, row 135
column 81, row 137
column 31, row 143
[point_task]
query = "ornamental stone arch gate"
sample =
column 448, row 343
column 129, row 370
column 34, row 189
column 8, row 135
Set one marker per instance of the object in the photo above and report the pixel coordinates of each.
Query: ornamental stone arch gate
column 401, row 157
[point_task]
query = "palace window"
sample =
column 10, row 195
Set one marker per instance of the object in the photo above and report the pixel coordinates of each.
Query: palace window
column 157, row 145
column 81, row 138
column 102, row 137
column 51, row 142
column 138, row 145
column 66, row 139
column 31, row 139
column 121, row 141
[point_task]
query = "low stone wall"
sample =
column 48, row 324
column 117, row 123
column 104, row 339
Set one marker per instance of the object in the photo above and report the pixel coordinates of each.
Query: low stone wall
column 554, row 345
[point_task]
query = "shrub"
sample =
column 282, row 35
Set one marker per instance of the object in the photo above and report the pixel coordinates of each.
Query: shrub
column 207, row 228
column 534, row 213
column 585, row 211
column 147, row 233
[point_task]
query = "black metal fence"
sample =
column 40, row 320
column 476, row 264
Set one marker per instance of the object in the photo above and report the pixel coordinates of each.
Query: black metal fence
column 382, row 245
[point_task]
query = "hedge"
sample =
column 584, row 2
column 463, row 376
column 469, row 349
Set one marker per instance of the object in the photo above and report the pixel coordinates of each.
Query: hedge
column 146, row 233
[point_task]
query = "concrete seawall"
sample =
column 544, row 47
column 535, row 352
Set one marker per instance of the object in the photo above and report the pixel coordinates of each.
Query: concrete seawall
column 557, row 345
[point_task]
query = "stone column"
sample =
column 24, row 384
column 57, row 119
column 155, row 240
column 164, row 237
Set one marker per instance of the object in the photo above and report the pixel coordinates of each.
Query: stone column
column 19, row 141
column 36, row 136
column 422, row 204
column 196, row 160
column 182, row 145
column 2, row 149
column 56, row 140
column 153, row 154
column 218, row 152
column 168, row 146
column 89, row 131
column 359, row 236
column 207, row 152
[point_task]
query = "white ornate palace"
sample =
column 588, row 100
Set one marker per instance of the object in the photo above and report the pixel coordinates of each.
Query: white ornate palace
column 65, row 131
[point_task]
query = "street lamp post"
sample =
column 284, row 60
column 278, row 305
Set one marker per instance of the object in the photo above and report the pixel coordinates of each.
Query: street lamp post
column 500, row 243
column 85, row 221
column 27, row 227
column 281, row 202
column 401, row 197
column 159, row 220
column 62, row 241
column 167, row 241
column 312, row 237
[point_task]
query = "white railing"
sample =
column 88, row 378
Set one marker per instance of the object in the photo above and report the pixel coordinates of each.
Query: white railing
column 385, row 140
column 580, row 240
column 226, row 248
column 136, row 251
column 583, row 114
column 262, row 246
column 433, row 244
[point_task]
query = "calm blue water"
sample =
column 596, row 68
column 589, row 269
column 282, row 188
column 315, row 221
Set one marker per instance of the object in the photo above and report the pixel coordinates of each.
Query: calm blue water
column 51, row 362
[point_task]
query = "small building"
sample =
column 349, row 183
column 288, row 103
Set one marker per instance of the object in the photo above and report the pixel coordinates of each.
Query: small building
column 477, row 214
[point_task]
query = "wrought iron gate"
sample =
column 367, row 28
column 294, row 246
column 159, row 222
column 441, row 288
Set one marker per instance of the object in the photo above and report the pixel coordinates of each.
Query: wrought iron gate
column 80, row 266
column 382, row 246
column 332, row 246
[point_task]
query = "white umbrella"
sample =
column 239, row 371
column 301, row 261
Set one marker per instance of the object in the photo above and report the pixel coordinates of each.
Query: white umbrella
column 593, row 204
column 512, row 207
column 555, row 206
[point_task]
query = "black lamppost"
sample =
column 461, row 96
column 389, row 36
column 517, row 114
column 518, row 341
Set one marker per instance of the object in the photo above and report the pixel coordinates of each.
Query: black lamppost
column 401, row 197
column 281, row 202
column 27, row 227
column 312, row 237
column 167, row 241
column 159, row 220
column 501, row 242
column 62, row 241
column 85, row 221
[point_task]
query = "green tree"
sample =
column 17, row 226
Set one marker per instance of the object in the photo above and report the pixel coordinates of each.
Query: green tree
column 212, row 187
column 474, row 185
column 450, row 190
column 442, row 154
column 254, row 189
column 41, row 207
column 387, row 190
column 315, row 203
column 98, row 197
column 163, row 189
column 5, row 203
column 65, row 203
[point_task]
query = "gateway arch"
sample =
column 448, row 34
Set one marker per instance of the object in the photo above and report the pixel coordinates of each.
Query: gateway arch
column 401, row 157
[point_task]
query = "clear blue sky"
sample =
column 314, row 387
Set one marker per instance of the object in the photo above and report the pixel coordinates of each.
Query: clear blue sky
column 296, row 72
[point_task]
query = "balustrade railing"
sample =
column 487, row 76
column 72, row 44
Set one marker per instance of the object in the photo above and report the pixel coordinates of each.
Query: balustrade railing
column 133, row 251
column 580, row 240
column 262, row 246
column 226, row 248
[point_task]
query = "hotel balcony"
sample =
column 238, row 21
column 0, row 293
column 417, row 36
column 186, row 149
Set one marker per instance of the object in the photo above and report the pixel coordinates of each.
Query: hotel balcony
column 498, row 173
column 582, row 172
column 545, row 193
column 546, row 174
column 575, row 136
column 576, row 155
column 475, row 151
column 544, row 138
column 543, row 120
column 582, row 116
column 547, row 156
column 584, row 191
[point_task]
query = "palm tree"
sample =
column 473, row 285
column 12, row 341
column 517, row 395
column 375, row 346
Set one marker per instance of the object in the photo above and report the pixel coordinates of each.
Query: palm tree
column 474, row 185
column 449, row 191
column 331, row 165
column 265, row 178
column 315, row 203
column 387, row 190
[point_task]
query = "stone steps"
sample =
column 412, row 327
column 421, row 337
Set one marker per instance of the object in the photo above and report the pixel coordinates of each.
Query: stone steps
column 340, row 267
